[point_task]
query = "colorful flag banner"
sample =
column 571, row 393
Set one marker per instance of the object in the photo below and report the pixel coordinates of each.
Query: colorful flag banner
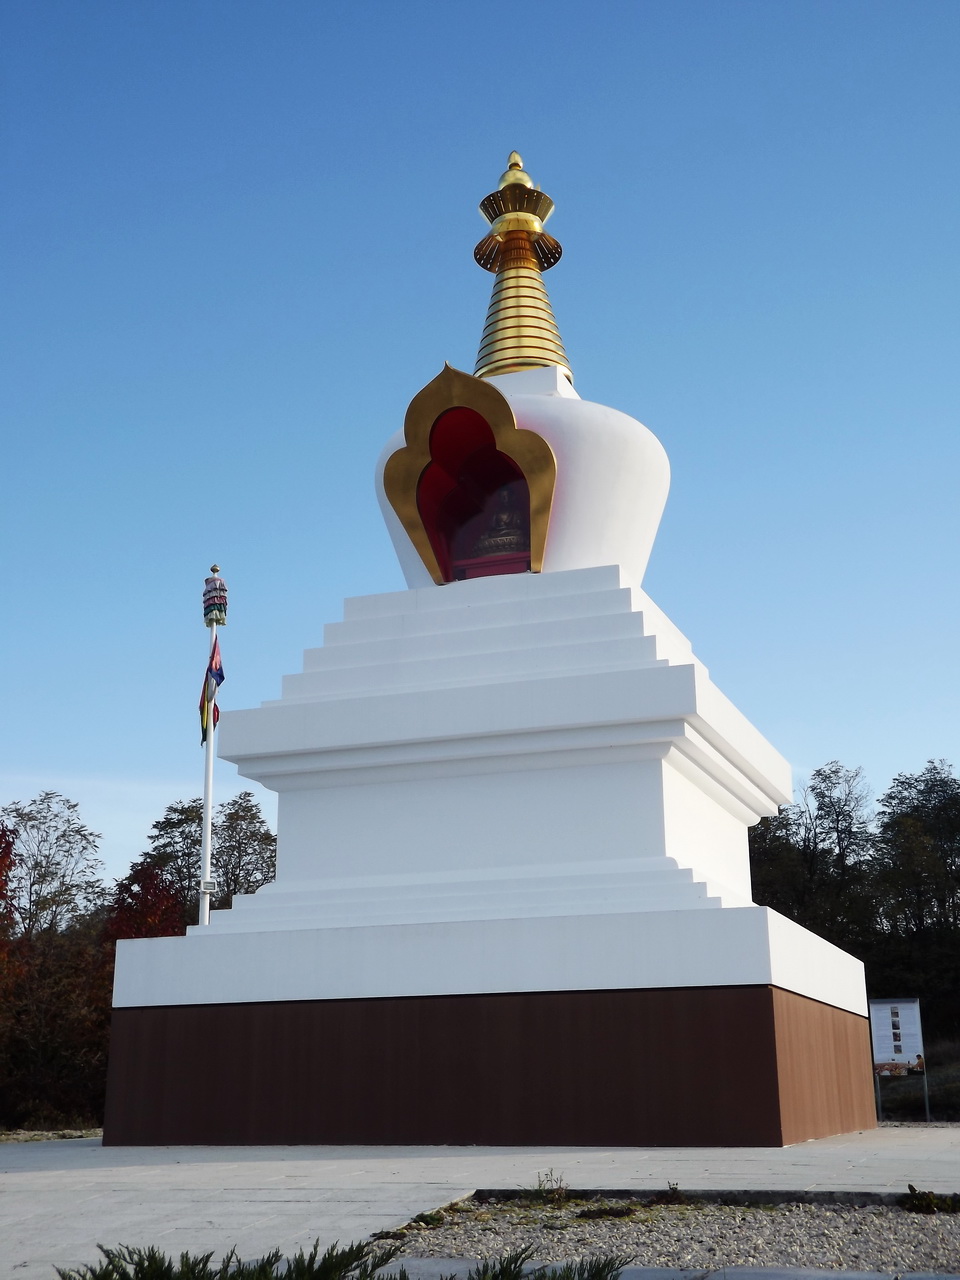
column 211, row 683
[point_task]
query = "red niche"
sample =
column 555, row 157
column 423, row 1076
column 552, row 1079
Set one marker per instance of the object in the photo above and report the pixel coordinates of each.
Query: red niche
column 473, row 500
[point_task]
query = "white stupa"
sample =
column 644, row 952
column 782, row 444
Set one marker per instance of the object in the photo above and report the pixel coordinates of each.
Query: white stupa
column 513, row 813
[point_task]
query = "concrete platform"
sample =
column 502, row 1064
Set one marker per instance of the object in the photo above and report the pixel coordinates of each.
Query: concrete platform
column 59, row 1199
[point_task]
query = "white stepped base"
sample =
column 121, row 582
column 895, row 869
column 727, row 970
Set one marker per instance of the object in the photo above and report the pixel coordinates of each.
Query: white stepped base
column 472, row 668
column 737, row 946
column 513, row 784
column 588, row 889
column 347, row 644
column 558, row 722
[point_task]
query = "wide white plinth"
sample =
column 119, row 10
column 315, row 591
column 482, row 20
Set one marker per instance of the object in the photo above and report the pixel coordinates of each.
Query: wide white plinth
column 736, row 946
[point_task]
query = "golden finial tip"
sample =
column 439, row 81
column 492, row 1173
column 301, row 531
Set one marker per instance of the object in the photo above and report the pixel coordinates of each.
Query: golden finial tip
column 214, row 568
column 515, row 172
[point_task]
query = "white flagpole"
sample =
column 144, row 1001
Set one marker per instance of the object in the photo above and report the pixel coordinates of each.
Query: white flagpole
column 214, row 611
column 206, row 844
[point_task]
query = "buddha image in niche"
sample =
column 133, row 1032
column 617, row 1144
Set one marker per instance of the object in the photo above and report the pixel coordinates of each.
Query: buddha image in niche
column 507, row 533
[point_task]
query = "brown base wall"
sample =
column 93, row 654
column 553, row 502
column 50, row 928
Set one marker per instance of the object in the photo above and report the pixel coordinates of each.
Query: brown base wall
column 705, row 1066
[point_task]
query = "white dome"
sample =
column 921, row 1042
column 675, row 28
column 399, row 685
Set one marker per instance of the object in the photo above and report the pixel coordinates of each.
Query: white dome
column 612, row 479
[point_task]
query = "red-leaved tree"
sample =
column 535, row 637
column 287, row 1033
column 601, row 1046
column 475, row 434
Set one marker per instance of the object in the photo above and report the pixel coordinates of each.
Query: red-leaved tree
column 147, row 903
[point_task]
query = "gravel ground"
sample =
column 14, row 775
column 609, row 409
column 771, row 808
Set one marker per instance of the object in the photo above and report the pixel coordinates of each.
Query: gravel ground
column 46, row 1135
column 834, row 1237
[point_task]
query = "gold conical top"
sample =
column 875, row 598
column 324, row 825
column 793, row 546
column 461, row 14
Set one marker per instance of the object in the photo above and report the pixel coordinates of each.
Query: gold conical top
column 514, row 172
column 520, row 332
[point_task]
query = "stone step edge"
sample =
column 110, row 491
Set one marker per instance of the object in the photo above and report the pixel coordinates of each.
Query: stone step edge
column 420, row 648
column 572, row 873
column 492, row 590
column 485, row 681
column 287, row 922
column 698, row 891
column 341, row 634
column 711, row 1196
column 480, row 668
column 433, row 889
column 472, row 891
column 484, row 616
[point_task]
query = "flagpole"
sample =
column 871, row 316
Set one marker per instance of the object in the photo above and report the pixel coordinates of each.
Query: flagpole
column 207, row 838
column 214, row 611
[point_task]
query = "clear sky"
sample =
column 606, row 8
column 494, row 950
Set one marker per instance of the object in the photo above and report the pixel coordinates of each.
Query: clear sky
column 237, row 238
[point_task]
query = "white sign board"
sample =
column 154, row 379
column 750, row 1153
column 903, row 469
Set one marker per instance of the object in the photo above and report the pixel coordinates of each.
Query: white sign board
column 897, row 1038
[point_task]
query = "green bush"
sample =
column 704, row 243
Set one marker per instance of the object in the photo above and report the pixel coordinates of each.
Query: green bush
column 515, row 1266
column 928, row 1201
column 355, row 1262
column 126, row 1262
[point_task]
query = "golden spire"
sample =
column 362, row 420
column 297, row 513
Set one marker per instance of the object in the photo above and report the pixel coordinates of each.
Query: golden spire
column 520, row 332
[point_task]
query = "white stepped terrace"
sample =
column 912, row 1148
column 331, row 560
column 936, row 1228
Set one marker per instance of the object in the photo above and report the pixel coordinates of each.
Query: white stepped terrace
column 547, row 700
column 518, row 783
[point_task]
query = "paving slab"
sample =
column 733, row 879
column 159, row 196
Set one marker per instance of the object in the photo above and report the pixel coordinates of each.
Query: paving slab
column 59, row 1199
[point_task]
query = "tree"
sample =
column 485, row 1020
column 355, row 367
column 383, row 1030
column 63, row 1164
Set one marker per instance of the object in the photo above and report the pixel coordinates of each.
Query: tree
column 54, row 876
column 7, row 841
column 917, row 872
column 777, row 870
column 244, row 848
column 243, row 854
column 887, row 890
column 175, row 847
column 55, row 998
column 918, row 850
column 812, row 861
column 146, row 903
column 837, row 817
column 53, row 1052
column 7, row 976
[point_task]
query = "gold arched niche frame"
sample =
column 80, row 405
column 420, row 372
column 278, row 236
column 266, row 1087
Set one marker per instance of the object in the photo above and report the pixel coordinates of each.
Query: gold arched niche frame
column 453, row 389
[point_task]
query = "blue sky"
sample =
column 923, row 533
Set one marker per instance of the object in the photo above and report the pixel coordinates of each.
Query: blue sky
column 237, row 238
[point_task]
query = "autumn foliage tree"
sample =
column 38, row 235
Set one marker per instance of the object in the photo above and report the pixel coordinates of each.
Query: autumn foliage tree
column 146, row 903
column 59, row 925
column 53, row 1036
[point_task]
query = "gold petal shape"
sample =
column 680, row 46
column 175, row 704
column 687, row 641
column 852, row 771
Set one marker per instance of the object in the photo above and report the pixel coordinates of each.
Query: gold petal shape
column 454, row 389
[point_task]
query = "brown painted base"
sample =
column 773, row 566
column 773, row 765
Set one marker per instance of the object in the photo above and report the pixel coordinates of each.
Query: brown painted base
column 705, row 1066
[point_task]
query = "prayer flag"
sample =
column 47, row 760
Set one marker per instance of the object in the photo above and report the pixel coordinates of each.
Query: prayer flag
column 211, row 683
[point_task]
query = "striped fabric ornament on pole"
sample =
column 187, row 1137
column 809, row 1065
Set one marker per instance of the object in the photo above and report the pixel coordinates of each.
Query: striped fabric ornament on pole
column 214, row 615
column 215, row 599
